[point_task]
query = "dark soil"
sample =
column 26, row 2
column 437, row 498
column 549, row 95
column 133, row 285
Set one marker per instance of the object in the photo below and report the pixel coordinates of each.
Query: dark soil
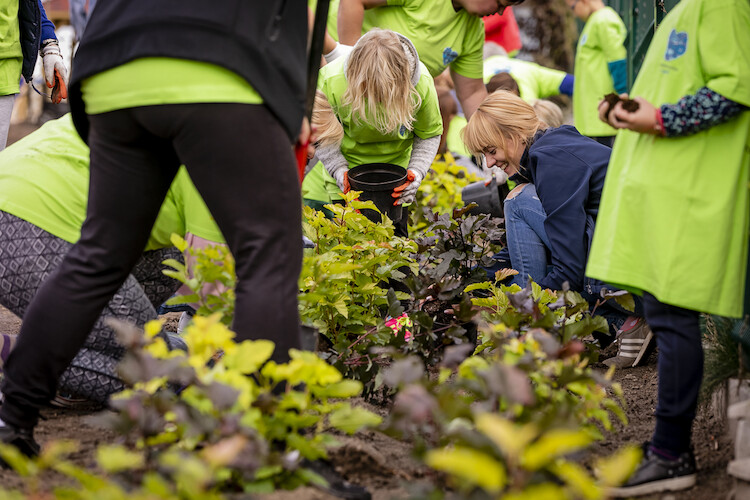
column 385, row 466
column 628, row 105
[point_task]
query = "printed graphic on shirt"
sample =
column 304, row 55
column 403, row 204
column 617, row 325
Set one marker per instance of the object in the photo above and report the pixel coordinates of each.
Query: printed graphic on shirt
column 677, row 45
column 584, row 38
column 402, row 131
column 449, row 55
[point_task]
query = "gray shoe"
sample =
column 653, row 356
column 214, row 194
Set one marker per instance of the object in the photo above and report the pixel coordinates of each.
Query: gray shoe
column 633, row 342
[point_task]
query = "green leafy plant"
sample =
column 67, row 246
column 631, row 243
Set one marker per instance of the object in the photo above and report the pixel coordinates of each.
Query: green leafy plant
column 440, row 191
column 346, row 280
column 223, row 418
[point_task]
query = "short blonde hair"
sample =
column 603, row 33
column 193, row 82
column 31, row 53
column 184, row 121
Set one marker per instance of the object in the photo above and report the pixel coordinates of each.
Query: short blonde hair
column 548, row 112
column 380, row 91
column 503, row 120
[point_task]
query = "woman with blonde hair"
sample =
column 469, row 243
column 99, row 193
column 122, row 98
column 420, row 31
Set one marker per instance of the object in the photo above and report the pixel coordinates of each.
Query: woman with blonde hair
column 378, row 104
column 550, row 215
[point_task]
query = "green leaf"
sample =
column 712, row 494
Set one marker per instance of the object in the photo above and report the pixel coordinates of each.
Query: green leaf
column 626, row 301
column 117, row 458
column 469, row 466
column 342, row 389
column 544, row 491
column 509, row 437
column 352, row 419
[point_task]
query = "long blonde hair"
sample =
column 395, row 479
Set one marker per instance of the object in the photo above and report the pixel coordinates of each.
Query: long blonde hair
column 380, row 92
column 503, row 120
column 328, row 127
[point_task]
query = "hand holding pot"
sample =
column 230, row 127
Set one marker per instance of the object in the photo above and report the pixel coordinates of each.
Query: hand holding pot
column 406, row 192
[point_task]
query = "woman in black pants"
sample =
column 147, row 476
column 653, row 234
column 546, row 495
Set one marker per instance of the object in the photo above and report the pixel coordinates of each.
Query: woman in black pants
column 218, row 88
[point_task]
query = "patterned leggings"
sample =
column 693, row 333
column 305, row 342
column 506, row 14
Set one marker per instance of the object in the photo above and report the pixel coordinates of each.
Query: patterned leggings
column 29, row 254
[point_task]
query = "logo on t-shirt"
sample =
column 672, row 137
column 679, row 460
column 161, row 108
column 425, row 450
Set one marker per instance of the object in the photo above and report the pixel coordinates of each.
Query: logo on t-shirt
column 677, row 45
column 402, row 131
column 449, row 55
column 583, row 39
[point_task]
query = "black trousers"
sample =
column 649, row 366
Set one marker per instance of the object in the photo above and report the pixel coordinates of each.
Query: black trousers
column 678, row 337
column 241, row 161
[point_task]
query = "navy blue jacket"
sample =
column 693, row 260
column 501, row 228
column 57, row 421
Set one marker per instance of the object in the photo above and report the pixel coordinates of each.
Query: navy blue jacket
column 35, row 27
column 568, row 172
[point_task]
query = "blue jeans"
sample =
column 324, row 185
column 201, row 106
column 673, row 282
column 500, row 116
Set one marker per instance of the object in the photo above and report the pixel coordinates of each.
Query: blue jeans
column 528, row 244
column 528, row 247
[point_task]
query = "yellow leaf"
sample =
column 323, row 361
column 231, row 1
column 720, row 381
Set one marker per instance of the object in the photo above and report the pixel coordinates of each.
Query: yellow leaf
column 469, row 466
column 504, row 273
column 544, row 491
column 615, row 469
column 509, row 437
column 117, row 458
column 578, row 479
column 248, row 356
column 552, row 445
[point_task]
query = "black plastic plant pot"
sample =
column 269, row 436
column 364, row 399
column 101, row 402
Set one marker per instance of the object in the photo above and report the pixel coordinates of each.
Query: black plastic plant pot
column 486, row 197
column 377, row 182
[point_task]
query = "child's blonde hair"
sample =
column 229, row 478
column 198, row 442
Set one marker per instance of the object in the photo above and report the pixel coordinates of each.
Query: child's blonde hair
column 380, row 91
column 503, row 120
column 548, row 112
column 328, row 127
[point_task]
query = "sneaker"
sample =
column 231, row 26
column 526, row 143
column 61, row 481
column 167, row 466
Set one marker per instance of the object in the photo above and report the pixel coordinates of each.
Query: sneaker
column 68, row 401
column 633, row 342
column 657, row 473
column 23, row 439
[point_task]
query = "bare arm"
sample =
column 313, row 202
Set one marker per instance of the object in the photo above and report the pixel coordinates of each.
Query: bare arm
column 470, row 92
column 351, row 16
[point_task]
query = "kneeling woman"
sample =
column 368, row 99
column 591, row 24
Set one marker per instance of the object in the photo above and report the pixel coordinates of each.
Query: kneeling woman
column 550, row 215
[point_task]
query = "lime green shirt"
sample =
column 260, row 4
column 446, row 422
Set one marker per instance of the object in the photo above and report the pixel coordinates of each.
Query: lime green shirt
column 454, row 142
column 332, row 24
column 159, row 80
column 364, row 144
column 44, row 180
column 600, row 43
column 198, row 219
column 534, row 81
column 673, row 220
column 11, row 56
column 442, row 36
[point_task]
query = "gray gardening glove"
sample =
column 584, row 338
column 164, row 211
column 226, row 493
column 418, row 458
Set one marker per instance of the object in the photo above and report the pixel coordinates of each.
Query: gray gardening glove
column 335, row 164
column 423, row 153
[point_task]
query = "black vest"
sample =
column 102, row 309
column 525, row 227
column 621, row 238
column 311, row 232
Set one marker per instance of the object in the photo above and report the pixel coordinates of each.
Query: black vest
column 30, row 24
column 263, row 41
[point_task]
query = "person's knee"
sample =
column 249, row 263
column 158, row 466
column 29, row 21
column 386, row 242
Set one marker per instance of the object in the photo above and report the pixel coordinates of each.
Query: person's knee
column 516, row 191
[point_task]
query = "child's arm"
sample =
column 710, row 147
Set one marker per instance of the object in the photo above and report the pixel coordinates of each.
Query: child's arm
column 612, row 41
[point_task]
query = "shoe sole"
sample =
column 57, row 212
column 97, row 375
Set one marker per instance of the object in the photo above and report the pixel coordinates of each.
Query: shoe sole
column 673, row 484
column 644, row 348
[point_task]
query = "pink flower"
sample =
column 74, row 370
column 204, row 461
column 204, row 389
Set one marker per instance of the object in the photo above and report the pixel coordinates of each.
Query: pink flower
column 403, row 322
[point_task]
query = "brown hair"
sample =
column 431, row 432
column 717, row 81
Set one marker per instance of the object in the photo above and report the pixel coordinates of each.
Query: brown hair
column 503, row 81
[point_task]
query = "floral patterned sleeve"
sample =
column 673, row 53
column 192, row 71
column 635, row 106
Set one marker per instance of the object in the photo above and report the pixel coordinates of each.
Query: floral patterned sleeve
column 697, row 112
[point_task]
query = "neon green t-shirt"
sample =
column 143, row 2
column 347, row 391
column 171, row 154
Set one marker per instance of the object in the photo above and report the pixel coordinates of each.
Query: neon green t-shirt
column 442, row 36
column 44, row 180
column 362, row 143
column 332, row 24
column 198, row 219
column 534, row 81
column 160, row 80
column 600, row 43
column 11, row 56
column 673, row 220
column 454, row 142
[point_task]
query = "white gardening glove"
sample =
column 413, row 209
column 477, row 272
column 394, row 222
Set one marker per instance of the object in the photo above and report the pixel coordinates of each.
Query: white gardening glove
column 340, row 50
column 55, row 73
column 406, row 193
column 492, row 172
